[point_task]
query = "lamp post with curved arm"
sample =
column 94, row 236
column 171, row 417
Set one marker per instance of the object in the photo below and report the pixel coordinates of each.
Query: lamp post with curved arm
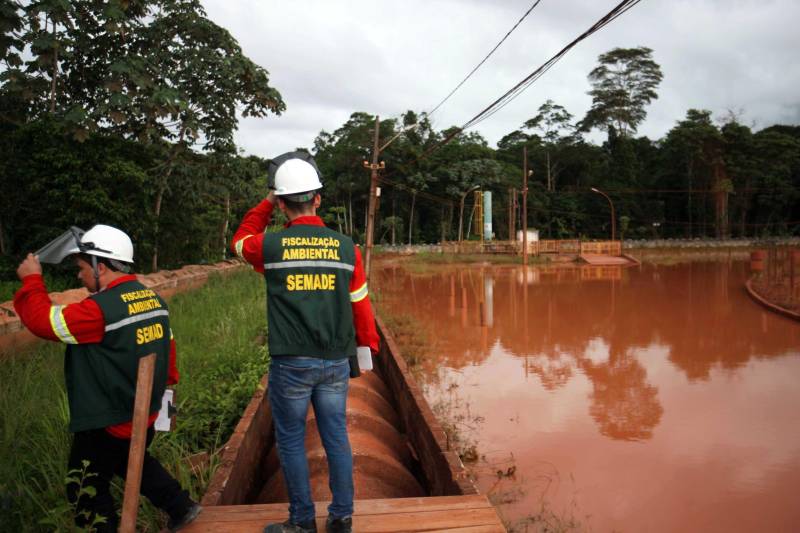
column 611, row 204
column 461, row 212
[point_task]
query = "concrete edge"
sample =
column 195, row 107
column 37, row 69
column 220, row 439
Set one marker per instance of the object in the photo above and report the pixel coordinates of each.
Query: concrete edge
column 766, row 303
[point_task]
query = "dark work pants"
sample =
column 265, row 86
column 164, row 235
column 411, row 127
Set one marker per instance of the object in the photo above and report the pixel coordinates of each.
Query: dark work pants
column 108, row 456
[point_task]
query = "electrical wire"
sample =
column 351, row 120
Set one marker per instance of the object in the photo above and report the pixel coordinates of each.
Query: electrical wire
column 429, row 113
column 422, row 194
column 515, row 91
column 432, row 111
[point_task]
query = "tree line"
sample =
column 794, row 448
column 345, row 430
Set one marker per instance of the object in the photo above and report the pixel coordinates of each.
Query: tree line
column 124, row 112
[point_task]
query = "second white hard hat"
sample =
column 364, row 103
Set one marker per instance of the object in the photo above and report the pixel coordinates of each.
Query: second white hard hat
column 296, row 176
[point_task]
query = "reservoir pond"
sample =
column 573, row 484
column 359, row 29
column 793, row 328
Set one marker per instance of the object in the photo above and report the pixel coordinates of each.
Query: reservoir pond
column 654, row 398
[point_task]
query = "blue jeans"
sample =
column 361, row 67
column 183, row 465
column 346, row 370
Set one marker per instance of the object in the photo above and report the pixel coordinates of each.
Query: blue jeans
column 293, row 382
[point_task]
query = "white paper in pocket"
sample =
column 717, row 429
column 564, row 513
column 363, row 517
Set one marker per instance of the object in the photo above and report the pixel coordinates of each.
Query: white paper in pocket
column 364, row 357
column 163, row 420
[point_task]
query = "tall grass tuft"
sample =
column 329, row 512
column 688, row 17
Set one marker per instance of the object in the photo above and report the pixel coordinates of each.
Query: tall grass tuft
column 220, row 331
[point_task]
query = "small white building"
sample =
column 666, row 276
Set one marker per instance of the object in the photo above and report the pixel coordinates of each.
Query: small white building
column 533, row 238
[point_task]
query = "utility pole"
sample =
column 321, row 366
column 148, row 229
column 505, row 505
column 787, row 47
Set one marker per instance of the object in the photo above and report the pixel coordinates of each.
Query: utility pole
column 525, row 205
column 512, row 212
column 373, row 186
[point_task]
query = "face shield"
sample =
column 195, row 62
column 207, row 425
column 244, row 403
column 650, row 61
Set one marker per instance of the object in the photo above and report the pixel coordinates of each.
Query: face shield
column 66, row 244
column 70, row 243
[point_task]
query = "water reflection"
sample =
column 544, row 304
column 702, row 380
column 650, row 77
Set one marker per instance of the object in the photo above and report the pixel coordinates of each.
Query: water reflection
column 616, row 378
column 551, row 319
column 624, row 405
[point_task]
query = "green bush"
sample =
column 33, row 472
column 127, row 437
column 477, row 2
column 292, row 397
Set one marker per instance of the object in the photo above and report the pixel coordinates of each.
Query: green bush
column 220, row 334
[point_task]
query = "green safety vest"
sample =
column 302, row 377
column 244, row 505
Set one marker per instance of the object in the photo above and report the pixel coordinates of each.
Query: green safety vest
column 101, row 377
column 308, row 270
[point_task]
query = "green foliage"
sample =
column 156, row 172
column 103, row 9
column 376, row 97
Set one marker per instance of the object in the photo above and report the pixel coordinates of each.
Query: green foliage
column 622, row 85
column 52, row 181
column 219, row 331
column 112, row 141
column 61, row 517
column 158, row 72
column 139, row 69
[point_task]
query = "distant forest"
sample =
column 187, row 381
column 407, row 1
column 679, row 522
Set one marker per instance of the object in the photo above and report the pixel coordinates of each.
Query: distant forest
column 124, row 113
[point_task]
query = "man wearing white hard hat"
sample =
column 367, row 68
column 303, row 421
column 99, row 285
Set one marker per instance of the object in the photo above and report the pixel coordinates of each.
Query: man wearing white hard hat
column 105, row 334
column 318, row 312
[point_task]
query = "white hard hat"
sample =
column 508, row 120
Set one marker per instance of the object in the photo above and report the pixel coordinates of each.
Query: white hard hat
column 296, row 176
column 106, row 241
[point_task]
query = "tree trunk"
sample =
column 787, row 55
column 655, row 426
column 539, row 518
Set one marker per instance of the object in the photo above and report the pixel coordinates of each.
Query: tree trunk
column 411, row 217
column 394, row 220
column 350, row 201
column 461, row 220
column 549, row 176
column 3, row 250
column 157, row 212
column 53, row 81
column 441, row 223
column 162, row 187
column 450, row 222
column 225, row 223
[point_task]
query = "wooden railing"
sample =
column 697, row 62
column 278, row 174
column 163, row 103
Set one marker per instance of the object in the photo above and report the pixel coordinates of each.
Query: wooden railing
column 545, row 246
column 602, row 247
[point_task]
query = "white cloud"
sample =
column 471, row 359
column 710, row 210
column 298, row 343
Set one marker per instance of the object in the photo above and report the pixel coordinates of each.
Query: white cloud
column 329, row 59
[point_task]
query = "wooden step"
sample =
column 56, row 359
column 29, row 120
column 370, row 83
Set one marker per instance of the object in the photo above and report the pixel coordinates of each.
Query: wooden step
column 471, row 513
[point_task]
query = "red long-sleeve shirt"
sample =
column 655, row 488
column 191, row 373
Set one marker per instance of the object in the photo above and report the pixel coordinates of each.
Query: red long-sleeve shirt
column 248, row 243
column 84, row 321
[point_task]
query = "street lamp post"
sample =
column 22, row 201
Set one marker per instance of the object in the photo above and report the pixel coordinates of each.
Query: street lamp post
column 613, row 223
column 461, row 213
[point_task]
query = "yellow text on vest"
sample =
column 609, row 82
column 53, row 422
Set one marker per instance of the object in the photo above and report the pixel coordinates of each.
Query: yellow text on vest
column 149, row 333
column 311, row 282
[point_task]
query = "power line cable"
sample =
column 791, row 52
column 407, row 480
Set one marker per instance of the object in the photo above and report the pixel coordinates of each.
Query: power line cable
column 512, row 93
column 432, row 111
column 429, row 113
column 423, row 194
column 515, row 91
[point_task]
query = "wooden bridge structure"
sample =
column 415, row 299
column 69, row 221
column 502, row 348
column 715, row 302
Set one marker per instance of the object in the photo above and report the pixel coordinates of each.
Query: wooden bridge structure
column 592, row 252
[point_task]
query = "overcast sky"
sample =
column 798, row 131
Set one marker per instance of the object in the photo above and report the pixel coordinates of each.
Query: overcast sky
column 330, row 58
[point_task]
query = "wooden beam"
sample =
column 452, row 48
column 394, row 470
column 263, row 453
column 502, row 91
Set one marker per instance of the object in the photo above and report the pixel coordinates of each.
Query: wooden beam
column 141, row 412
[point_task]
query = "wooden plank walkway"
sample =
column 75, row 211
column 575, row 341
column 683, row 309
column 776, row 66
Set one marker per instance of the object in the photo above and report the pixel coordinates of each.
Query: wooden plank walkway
column 606, row 260
column 461, row 514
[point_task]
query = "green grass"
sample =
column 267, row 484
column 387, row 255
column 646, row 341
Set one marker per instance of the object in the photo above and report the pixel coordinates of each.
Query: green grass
column 220, row 333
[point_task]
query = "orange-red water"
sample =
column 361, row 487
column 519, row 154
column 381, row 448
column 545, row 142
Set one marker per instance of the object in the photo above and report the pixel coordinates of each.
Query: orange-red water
column 653, row 398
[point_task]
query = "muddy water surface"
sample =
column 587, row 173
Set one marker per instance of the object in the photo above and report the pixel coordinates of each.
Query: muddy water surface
column 653, row 398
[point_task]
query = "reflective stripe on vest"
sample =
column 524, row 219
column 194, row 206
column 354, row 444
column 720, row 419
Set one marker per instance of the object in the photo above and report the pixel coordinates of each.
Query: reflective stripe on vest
column 59, row 325
column 359, row 294
column 322, row 264
column 138, row 318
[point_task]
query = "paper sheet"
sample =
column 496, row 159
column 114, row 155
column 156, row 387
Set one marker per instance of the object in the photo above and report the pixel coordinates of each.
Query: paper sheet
column 163, row 420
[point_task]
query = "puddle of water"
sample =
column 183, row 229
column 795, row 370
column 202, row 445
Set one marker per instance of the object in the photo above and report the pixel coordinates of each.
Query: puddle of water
column 653, row 398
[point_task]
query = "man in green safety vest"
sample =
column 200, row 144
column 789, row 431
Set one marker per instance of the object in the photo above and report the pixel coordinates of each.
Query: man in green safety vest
column 318, row 311
column 106, row 334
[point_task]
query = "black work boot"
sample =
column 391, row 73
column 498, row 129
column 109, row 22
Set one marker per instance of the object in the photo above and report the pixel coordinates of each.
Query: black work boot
column 339, row 525
column 291, row 527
